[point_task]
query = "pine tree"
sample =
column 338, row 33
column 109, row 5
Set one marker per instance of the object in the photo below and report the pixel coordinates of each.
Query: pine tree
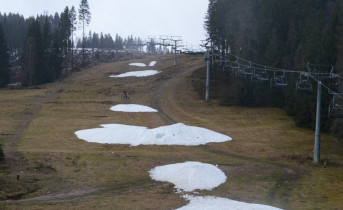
column 34, row 57
column 151, row 48
column 73, row 22
column 85, row 18
column 65, row 28
column 4, row 60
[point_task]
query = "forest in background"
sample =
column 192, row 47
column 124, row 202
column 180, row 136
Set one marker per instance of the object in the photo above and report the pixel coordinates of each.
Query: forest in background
column 15, row 28
column 41, row 49
column 284, row 34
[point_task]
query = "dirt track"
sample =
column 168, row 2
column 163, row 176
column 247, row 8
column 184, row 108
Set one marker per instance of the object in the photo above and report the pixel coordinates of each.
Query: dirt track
column 168, row 85
column 170, row 77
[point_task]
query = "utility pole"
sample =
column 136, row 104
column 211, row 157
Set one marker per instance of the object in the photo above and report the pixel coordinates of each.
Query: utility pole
column 175, row 39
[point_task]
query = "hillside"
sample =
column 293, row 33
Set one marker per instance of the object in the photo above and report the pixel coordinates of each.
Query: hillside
column 269, row 160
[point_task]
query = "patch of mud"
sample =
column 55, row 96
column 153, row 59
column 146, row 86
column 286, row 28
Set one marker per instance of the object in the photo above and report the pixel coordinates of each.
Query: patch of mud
column 64, row 195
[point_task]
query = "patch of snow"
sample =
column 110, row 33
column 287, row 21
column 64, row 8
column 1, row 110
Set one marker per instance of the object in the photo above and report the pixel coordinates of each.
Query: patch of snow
column 177, row 134
column 138, row 64
column 132, row 108
column 211, row 202
column 152, row 63
column 137, row 74
column 189, row 176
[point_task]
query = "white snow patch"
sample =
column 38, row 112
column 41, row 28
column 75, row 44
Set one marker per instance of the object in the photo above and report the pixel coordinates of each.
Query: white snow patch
column 137, row 74
column 177, row 134
column 132, row 108
column 152, row 63
column 211, row 202
column 189, row 176
column 138, row 64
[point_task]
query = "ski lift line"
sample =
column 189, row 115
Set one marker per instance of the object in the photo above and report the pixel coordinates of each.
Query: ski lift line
column 276, row 69
column 326, row 87
column 281, row 70
column 324, row 65
column 261, row 67
column 291, row 71
column 267, row 68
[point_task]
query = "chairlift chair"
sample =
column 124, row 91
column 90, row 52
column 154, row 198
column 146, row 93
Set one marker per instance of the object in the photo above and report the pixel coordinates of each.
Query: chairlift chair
column 261, row 76
column 334, row 88
column 227, row 68
column 236, row 68
column 239, row 73
column 247, row 70
column 278, row 81
column 255, row 78
column 336, row 107
column 303, row 85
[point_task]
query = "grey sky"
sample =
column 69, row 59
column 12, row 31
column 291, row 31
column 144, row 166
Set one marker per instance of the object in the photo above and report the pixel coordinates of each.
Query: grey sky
column 128, row 17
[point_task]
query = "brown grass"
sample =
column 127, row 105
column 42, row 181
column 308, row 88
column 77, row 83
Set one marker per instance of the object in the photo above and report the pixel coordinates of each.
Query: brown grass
column 268, row 161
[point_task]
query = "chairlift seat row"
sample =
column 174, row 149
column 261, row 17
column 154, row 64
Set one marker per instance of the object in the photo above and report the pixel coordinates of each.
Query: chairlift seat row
column 303, row 86
column 333, row 92
column 335, row 88
column 336, row 111
column 336, row 107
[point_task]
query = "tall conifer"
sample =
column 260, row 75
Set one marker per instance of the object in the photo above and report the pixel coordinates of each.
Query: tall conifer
column 4, row 60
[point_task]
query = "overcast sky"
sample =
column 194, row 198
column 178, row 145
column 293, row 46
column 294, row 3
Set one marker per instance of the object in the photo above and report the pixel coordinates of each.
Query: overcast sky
column 128, row 17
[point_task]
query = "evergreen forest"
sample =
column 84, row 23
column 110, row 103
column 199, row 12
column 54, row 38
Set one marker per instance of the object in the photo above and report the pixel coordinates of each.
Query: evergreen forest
column 288, row 34
column 38, row 50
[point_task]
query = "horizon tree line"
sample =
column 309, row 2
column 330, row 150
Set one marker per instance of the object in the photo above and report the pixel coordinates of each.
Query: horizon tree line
column 44, row 45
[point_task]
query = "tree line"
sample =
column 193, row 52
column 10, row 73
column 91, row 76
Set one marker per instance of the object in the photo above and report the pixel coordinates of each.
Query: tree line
column 283, row 34
column 105, row 41
column 41, row 49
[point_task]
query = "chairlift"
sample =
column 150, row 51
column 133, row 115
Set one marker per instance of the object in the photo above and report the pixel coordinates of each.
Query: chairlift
column 255, row 78
column 227, row 68
column 321, row 75
column 248, row 70
column 303, row 85
column 239, row 73
column 261, row 76
column 335, row 88
column 278, row 81
column 235, row 65
column 336, row 107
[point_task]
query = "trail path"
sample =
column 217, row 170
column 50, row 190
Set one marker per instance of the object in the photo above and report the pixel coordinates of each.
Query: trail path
column 13, row 157
column 167, row 85
column 19, row 164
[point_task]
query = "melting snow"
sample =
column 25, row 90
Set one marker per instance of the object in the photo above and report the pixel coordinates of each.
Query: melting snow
column 137, row 74
column 177, row 134
column 189, row 176
column 138, row 64
column 132, row 108
column 210, row 202
column 152, row 63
